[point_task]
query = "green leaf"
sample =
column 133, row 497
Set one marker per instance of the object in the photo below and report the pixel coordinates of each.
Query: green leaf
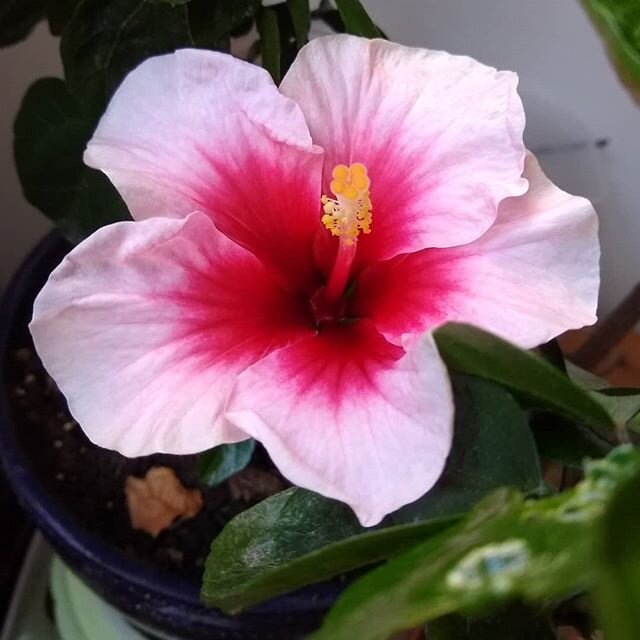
column 619, row 24
column 50, row 135
column 173, row 3
column 622, row 403
column 213, row 22
column 331, row 17
column 271, row 534
column 356, row 19
column 301, row 17
column 470, row 350
column 506, row 549
column 552, row 353
column 218, row 464
column 293, row 539
column 514, row 623
column 634, row 423
column 617, row 558
column 17, row 18
column 585, row 379
column 103, row 41
column 267, row 24
column 569, row 442
column 59, row 12
column 492, row 447
column 560, row 439
column 287, row 34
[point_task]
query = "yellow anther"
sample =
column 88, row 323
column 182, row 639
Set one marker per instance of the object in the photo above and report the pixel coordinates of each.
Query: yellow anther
column 340, row 172
column 358, row 169
column 337, row 186
column 349, row 192
column 360, row 182
column 350, row 213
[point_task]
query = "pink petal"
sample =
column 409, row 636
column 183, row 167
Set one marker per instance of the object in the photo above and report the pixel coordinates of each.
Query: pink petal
column 350, row 416
column 198, row 130
column 532, row 276
column 441, row 136
column 145, row 326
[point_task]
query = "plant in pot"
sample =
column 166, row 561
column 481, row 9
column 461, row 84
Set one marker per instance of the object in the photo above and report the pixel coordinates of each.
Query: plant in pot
column 311, row 343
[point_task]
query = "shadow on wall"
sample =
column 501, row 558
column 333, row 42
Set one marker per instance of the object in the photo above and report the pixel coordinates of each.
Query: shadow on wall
column 22, row 224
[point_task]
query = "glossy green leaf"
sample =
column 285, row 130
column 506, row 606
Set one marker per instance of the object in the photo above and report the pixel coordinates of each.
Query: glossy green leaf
column 218, row 464
column 293, row 539
column 470, row 350
column 301, row 18
column 270, row 42
column 617, row 558
column 103, row 41
column 619, row 24
column 506, row 549
column 50, row 135
column 492, row 447
column 17, row 19
column 271, row 534
column 356, row 19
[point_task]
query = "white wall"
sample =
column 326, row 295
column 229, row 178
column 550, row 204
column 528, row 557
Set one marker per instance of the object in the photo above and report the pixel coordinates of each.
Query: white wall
column 572, row 97
column 20, row 223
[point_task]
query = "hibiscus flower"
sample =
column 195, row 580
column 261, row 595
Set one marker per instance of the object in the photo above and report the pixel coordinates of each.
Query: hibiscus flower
column 292, row 251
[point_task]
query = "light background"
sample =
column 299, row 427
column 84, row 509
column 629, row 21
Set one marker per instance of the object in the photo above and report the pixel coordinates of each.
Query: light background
column 572, row 96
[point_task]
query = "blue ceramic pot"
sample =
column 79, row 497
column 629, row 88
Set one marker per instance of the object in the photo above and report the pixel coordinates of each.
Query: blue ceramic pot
column 157, row 600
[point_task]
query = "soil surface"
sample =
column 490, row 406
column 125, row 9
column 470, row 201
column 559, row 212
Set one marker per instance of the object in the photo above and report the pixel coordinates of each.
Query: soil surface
column 89, row 481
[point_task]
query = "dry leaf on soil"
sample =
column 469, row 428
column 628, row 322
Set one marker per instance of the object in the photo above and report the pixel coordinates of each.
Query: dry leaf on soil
column 156, row 501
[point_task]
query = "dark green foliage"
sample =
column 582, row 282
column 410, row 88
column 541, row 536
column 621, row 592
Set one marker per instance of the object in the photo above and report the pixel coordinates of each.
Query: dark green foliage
column 493, row 447
column 103, row 41
column 17, row 18
column 269, row 31
column 216, row 465
column 50, row 135
column 356, row 19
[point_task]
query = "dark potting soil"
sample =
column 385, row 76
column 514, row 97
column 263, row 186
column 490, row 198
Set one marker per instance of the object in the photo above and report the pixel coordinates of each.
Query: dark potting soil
column 89, row 481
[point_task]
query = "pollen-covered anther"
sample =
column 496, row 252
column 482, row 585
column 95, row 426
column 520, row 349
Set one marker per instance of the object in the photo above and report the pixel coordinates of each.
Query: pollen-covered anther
column 349, row 213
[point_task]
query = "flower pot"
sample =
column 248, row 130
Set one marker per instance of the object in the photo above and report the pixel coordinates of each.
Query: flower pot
column 163, row 602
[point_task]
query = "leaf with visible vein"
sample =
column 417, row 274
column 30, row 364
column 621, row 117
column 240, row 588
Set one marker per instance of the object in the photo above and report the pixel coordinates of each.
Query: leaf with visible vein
column 293, row 539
